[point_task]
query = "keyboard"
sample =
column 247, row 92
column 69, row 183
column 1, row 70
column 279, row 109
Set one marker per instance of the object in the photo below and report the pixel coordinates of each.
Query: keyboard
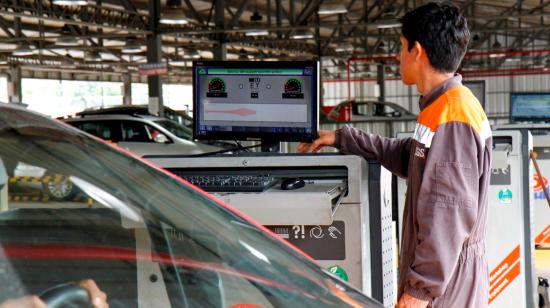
column 231, row 183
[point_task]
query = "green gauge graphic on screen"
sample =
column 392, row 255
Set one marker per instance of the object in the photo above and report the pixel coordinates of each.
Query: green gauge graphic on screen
column 293, row 85
column 293, row 89
column 216, row 88
column 216, row 85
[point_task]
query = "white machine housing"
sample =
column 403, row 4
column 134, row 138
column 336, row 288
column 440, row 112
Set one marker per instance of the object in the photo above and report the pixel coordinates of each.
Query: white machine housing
column 336, row 194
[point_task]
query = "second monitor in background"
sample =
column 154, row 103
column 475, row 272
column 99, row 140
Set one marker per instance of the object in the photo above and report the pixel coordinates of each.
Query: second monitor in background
column 251, row 100
column 478, row 89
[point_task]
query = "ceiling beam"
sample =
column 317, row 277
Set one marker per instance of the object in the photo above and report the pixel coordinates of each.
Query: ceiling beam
column 5, row 26
column 235, row 20
column 307, row 11
column 194, row 12
column 102, row 17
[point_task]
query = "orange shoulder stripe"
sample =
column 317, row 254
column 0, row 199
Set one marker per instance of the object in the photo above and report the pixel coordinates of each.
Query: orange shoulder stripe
column 458, row 104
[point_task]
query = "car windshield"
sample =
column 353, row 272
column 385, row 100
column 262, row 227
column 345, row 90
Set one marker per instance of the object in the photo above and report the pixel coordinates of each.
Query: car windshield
column 177, row 117
column 176, row 129
column 73, row 208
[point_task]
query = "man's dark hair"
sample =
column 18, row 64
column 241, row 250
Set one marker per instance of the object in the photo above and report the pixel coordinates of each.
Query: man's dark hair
column 441, row 30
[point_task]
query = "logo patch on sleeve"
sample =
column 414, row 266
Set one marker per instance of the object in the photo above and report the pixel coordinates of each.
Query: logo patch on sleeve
column 420, row 152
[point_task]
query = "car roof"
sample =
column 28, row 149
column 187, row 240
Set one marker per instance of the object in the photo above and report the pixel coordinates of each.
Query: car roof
column 392, row 104
column 142, row 118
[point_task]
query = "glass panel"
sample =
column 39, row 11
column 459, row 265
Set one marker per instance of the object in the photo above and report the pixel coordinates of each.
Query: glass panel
column 106, row 130
column 174, row 128
column 134, row 131
column 73, row 208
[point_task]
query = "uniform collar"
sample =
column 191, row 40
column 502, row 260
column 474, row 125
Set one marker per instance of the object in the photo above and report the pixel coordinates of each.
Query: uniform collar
column 429, row 98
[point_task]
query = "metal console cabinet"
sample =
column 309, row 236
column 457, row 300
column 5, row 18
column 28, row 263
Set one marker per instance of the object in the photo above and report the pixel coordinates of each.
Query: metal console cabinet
column 341, row 217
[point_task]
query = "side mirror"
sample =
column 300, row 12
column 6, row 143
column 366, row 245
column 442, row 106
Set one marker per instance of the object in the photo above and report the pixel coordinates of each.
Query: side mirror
column 161, row 138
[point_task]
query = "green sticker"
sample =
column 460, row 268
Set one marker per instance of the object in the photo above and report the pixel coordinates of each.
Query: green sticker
column 202, row 71
column 505, row 196
column 339, row 272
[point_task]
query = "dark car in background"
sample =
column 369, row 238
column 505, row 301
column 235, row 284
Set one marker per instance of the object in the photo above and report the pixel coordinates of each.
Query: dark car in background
column 147, row 238
column 365, row 111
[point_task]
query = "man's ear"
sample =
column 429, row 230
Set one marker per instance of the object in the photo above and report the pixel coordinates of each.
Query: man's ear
column 418, row 50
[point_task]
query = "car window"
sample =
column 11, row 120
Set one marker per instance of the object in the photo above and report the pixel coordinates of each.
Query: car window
column 106, row 130
column 385, row 110
column 177, row 117
column 176, row 129
column 134, row 131
column 361, row 109
column 145, row 237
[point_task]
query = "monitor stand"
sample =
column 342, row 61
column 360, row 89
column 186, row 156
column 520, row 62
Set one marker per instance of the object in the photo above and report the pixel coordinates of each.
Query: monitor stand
column 271, row 146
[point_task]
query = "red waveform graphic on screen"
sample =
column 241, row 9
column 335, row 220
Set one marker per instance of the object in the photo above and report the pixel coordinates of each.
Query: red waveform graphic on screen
column 239, row 111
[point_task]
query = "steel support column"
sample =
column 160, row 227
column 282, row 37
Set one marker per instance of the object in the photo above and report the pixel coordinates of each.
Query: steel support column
column 127, row 89
column 279, row 16
column 15, row 95
column 380, row 79
column 154, row 55
column 220, row 49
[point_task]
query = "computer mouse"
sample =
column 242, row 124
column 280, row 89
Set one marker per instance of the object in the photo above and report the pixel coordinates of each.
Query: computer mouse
column 292, row 183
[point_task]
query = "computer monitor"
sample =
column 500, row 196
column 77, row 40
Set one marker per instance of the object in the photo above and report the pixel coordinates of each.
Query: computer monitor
column 530, row 107
column 271, row 101
column 478, row 89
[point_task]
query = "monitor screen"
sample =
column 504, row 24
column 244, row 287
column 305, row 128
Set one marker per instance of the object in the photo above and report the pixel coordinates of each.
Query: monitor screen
column 250, row 100
column 531, row 107
column 478, row 89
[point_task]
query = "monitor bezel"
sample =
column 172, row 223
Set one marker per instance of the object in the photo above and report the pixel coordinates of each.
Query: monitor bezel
column 266, row 136
column 514, row 119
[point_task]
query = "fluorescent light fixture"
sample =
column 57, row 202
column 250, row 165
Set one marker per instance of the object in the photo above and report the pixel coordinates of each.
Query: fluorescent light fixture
column 70, row 2
column 301, row 34
column 180, row 63
column 131, row 46
column 92, row 56
column 256, row 23
column 497, row 55
column 194, row 54
column 22, row 50
column 67, row 41
column 344, row 47
column 67, row 38
column 68, row 65
column 332, row 8
column 131, row 49
column 173, row 17
column 257, row 32
column 389, row 25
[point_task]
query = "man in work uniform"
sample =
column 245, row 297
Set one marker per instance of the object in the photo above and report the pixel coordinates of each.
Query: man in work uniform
column 446, row 163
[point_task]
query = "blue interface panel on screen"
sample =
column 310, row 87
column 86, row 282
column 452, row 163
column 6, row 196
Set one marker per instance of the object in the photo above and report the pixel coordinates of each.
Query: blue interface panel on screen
column 251, row 100
column 530, row 107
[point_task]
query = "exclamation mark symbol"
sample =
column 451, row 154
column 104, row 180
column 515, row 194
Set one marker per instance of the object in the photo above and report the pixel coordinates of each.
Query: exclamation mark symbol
column 303, row 232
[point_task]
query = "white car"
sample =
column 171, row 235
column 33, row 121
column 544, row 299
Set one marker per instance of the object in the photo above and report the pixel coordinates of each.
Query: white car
column 141, row 134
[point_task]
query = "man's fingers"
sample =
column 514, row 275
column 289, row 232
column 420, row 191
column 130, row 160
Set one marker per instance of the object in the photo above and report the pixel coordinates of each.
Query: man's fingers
column 316, row 146
column 303, row 147
column 98, row 297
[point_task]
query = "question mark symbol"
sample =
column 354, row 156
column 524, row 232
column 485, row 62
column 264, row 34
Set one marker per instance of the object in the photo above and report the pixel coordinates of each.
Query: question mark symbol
column 296, row 229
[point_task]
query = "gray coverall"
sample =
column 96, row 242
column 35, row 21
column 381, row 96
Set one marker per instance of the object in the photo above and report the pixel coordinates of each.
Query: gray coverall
column 447, row 167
